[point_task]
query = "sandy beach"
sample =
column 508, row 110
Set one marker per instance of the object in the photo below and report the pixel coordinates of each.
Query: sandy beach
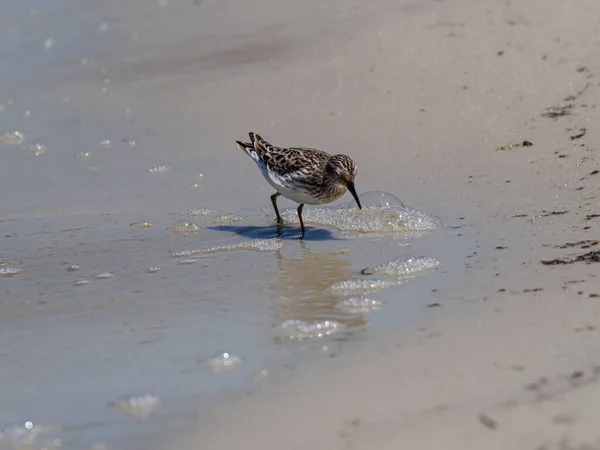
column 480, row 113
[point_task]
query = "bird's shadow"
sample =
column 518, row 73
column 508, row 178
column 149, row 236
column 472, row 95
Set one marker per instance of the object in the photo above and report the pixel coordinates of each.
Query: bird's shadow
column 270, row 232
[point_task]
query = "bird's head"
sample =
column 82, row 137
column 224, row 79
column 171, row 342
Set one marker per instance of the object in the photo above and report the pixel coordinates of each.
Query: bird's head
column 341, row 169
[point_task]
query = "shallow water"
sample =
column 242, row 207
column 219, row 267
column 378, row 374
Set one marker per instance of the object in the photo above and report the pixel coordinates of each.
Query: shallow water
column 135, row 288
column 145, row 323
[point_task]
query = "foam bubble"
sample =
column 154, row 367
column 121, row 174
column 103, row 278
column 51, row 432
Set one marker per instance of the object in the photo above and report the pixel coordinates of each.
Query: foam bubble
column 142, row 224
column 103, row 275
column 226, row 219
column 9, row 271
column 26, row 434
column 381, row 213
column 360, row 286
column 402, row 266
column 159, row 169
column 140, row 407
column 223, row 361
column 184, row 227
column 199, row 212
column 11, row 138
column 359, row 305
column 299, row 330
column 260, row 245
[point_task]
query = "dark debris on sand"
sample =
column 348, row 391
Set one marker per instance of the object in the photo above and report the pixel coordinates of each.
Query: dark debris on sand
column 589, row 257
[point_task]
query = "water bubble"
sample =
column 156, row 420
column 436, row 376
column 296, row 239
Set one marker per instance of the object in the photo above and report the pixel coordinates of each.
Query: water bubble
column 140, row 407
column 81, row 281
column 226, row 219
column 9, row 271
column 199, row 212
column 261, row 245
column 184, row 227
column 105, row 143
column 402, row 266
column 49, row 43
column 299, row 330
column 153, row 269
column 104, row 90
column 142, row 224
column 376, row 199
column 83, row 155
column 73, row 268
column 359, row 305
column 223, row 361
column 103, row 275
column 11, row 138
column 159, row 169
column 27, row 113
column 194, row 186
column 84, row 62
column 360, row 286
column 103, row 27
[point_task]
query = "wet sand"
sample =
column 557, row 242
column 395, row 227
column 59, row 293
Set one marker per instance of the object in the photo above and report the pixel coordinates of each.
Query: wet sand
column 136, row 107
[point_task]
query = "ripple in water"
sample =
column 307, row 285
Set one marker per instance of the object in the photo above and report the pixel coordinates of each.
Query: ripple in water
column 402, row 266
column 299, row 330
column 137, row 407
column 260, row 245
column 223, row 361
column 382, row 213
column 184, row 227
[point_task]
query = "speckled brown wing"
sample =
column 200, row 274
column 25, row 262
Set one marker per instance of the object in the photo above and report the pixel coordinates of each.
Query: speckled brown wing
column 288, row 161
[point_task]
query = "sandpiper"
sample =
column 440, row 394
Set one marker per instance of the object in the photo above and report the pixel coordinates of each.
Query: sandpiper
column 304, row 175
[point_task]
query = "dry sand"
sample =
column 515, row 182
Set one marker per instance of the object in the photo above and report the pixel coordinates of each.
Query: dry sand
column 423, row 96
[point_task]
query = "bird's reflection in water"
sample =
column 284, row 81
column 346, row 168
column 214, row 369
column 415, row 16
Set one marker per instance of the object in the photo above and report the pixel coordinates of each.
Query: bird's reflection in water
column 301, row 289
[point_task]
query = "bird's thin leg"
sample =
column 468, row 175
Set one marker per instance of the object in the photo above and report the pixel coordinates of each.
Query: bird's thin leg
column 274, row 201
column 301, row 221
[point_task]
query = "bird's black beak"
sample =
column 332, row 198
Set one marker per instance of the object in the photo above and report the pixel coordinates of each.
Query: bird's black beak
column 354, row 194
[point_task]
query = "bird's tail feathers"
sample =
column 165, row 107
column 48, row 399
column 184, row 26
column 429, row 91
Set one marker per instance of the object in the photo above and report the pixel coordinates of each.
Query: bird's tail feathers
column 244, row 146
column 259, row 143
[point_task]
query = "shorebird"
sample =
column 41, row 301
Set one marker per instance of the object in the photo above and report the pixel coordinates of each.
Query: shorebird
column 304, row 175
